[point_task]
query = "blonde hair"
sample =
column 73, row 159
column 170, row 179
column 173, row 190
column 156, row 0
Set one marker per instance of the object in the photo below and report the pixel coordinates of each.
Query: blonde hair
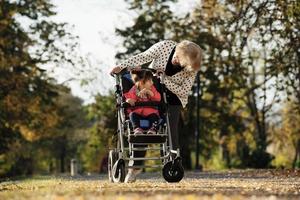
column 189, row 54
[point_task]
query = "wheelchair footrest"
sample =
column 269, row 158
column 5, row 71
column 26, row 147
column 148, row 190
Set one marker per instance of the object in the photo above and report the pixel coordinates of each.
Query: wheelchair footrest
column 147, row 139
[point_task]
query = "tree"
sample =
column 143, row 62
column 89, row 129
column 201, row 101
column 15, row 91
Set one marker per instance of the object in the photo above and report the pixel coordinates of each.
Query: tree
column 286, row 55
column 150, row 27
column 65, row 139
column 285, row 137
column 27, row 95
column 102, row 114
column 243, row 44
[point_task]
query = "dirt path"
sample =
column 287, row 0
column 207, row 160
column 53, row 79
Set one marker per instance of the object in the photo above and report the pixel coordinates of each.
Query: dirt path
column 246, row 184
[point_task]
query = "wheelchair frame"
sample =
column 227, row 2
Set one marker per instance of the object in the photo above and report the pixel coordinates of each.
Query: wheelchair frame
column 118, row 162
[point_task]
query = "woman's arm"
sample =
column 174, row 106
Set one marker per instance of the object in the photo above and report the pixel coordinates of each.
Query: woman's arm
column 159, row 49
column 149, row 55
column 142, row 58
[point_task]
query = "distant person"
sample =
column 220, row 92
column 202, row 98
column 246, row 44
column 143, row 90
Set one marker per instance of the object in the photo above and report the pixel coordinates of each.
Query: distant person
column 180, row 62
column 104, row 164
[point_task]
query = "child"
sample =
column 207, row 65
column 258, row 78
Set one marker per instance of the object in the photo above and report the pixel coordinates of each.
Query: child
column 143, row 91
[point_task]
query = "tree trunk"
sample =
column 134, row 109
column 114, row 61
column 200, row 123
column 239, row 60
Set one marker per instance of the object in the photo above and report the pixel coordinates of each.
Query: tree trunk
column 223, row 146
column 297, row 155
column 62, row 159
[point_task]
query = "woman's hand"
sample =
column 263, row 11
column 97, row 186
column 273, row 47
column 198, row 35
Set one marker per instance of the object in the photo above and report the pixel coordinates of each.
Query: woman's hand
column 118, row 69
column 159, row 71
column 115, row 70
column 130, row 101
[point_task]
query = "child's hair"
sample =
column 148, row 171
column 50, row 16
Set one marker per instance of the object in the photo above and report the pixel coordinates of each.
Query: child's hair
column 142, row 75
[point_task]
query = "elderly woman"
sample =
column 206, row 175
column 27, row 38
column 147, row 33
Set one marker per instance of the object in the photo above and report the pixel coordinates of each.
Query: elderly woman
column 180, row 62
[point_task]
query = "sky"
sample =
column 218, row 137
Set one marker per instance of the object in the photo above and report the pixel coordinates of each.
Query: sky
column 94, row 22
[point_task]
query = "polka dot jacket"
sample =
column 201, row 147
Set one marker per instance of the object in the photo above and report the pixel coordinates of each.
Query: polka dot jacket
column 180, row 84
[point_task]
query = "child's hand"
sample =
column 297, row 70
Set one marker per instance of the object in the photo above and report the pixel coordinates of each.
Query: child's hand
column 149, row 93
column 130, row 101
column 144, row 93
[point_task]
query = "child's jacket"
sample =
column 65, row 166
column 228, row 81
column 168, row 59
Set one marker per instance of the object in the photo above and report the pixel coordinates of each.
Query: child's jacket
column 144, row 111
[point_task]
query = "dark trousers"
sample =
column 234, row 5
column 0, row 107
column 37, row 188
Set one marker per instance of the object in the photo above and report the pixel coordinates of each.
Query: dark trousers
column 174, row 114
column 135, row 119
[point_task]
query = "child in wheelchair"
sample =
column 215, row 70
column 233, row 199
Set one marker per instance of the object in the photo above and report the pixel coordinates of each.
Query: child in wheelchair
column 139, row 101
column 143, row 90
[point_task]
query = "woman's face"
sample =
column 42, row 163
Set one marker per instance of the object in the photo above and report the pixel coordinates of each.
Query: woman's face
column 176, row 59
column 178, row 62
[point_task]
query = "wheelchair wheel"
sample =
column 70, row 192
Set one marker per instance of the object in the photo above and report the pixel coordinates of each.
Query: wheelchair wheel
column 118, row 171
column 112, row 158
column 173, row 172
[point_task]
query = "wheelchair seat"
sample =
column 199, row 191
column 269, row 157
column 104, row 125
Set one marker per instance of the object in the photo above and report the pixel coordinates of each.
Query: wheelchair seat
column 147, row 139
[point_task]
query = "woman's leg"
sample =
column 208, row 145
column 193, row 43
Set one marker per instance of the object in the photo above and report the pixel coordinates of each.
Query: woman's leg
column 174, row 113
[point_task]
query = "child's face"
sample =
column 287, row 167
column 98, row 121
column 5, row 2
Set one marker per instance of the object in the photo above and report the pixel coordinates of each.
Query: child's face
column 148, row 84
